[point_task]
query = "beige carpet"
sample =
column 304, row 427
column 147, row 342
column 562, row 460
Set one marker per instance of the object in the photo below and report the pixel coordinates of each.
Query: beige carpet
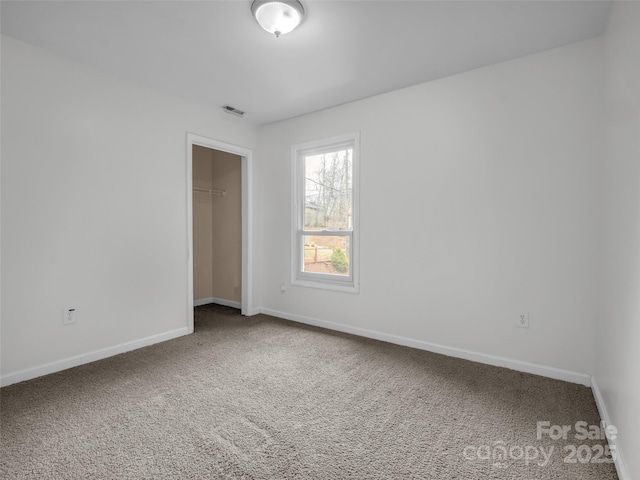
column 263, row 398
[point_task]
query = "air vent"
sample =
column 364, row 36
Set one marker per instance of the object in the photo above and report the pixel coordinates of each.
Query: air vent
column 233, row 111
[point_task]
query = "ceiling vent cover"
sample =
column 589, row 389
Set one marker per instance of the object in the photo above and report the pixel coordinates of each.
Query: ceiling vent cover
column 233, row 111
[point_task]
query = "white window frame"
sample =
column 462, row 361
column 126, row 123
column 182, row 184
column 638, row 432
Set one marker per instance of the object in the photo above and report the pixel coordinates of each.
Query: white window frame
column 350, row 283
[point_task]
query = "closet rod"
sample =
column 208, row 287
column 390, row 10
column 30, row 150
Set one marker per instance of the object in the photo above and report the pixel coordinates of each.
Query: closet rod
column 209, row 191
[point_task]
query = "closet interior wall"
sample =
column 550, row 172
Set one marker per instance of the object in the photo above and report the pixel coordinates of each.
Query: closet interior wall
column 217, row 226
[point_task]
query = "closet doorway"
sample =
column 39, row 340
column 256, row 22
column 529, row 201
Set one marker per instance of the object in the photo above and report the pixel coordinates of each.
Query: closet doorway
column 218, row 200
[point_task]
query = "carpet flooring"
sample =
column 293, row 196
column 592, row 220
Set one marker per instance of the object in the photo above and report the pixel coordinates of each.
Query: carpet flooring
column 264, row 398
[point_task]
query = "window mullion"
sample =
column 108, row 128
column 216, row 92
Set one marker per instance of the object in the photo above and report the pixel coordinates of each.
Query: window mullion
column 326, row 233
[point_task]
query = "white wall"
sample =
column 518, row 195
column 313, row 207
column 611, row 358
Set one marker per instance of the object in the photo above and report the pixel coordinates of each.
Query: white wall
column 617, row 371
column 93, row 207
column 479, row 197
column 477, row 201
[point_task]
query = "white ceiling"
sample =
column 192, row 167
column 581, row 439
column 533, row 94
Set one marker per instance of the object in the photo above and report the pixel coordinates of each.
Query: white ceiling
column 214, row 52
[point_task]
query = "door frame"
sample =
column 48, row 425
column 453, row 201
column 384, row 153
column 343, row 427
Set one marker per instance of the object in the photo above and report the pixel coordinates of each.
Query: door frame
column 246, row 161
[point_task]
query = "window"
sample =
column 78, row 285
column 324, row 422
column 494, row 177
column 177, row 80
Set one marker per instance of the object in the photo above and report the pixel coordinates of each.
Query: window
column 325, row 213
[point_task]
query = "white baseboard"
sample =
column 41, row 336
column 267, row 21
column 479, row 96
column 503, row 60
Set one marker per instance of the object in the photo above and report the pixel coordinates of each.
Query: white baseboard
column 604, row 415
column 542, row 370
column 219, row 301
column 53, row 367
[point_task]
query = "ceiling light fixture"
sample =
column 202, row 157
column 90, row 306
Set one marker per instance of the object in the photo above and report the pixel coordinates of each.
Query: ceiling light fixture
column 278, row 16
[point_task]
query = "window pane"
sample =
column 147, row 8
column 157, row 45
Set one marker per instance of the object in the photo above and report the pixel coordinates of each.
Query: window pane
column 328, row 190
column 326, row 254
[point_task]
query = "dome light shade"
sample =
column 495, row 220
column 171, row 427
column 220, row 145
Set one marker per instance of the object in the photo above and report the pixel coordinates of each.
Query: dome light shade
column 278, row 16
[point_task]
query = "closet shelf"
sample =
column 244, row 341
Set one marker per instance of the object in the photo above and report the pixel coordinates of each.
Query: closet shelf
column 210, row 191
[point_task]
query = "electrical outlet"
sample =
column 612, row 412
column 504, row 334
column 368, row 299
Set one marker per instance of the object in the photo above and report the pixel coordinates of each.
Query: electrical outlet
column 522, row 320
column 69, row 316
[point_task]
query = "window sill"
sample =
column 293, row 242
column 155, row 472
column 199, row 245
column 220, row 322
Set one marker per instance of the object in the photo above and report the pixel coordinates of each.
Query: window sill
column 324, row 285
